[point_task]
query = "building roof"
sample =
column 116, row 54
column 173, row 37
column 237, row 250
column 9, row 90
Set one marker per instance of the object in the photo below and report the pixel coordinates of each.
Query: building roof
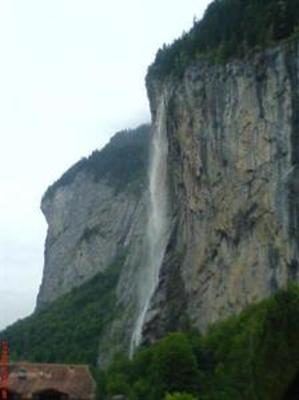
column 27, row 379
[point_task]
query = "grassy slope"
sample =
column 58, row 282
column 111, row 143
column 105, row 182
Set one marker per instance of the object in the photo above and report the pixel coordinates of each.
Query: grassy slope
column 69, row 328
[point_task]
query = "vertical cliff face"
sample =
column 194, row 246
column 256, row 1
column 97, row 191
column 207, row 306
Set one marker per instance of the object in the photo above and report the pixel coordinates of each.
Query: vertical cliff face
column 97, row 214
column 233, row 134
column 89, row 226
column 217, row 225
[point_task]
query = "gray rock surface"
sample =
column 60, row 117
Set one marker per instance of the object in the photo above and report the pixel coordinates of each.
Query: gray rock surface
column 88, row 227
column 233, row 133
column 93, row 223
column 233, row 157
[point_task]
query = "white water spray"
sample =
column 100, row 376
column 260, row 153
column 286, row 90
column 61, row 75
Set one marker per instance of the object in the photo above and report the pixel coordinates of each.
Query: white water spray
column 157, row 227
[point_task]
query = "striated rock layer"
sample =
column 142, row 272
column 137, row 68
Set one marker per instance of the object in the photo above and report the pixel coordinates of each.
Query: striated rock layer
column 233, row 134
column 89, row 226
column 96, row 215
column 232, row 186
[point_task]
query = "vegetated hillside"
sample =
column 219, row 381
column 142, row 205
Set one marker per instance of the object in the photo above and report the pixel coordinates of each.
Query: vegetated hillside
column 122, row 161
column 251, row 356
column 90, row 212
column 68, row 330
column 96, row 214
column 229, row 28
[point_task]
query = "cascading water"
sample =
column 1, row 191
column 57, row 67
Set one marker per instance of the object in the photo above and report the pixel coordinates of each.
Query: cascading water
column 157, row 227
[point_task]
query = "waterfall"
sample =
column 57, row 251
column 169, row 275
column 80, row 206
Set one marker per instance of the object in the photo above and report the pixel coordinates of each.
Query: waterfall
column 157, row 226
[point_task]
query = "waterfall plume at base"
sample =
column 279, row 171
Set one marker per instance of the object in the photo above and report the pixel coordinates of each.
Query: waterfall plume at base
column 157, row 226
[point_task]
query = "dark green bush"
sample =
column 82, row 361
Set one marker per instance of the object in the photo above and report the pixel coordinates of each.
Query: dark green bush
column 175, row 365
column 240, row 358
column 253, row 356
column 67, row 330
column 180, row 396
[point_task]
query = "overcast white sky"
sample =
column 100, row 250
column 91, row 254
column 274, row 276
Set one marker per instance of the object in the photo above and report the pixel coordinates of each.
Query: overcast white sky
column 71, row 75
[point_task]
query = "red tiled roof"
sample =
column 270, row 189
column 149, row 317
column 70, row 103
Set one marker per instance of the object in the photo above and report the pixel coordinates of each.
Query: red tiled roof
column 29, row 378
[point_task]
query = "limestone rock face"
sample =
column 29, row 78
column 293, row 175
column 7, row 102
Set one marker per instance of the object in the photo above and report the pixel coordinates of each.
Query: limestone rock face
column 88, row 227
column 233, row 188
column 96, row 215
column 233, row 133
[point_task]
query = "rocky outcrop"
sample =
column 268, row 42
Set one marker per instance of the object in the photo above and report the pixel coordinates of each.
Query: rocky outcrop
column 88, row 228
column 233, row 134
column 233, row 185
column 96, row 215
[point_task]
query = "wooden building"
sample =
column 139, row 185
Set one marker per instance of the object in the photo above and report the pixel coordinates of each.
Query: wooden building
column 30, row 381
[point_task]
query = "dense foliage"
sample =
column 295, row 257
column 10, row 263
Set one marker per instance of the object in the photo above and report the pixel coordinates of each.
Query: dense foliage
column 180, row 396
column 229, row 28
column 122, row 162
column 67, row 330
column 252, row 356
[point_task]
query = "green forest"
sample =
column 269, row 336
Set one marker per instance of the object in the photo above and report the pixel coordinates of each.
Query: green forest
column 229, row 29
column 67, row 330
column 122, row 162
column 251, row 356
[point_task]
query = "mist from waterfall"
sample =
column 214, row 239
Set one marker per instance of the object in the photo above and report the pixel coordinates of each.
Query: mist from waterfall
column 157, row 226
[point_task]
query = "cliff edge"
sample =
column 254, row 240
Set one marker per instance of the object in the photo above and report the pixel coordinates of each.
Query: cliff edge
column 233, row 134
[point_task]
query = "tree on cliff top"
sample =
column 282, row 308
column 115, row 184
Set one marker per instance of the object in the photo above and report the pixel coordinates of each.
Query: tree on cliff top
column 229, row 28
